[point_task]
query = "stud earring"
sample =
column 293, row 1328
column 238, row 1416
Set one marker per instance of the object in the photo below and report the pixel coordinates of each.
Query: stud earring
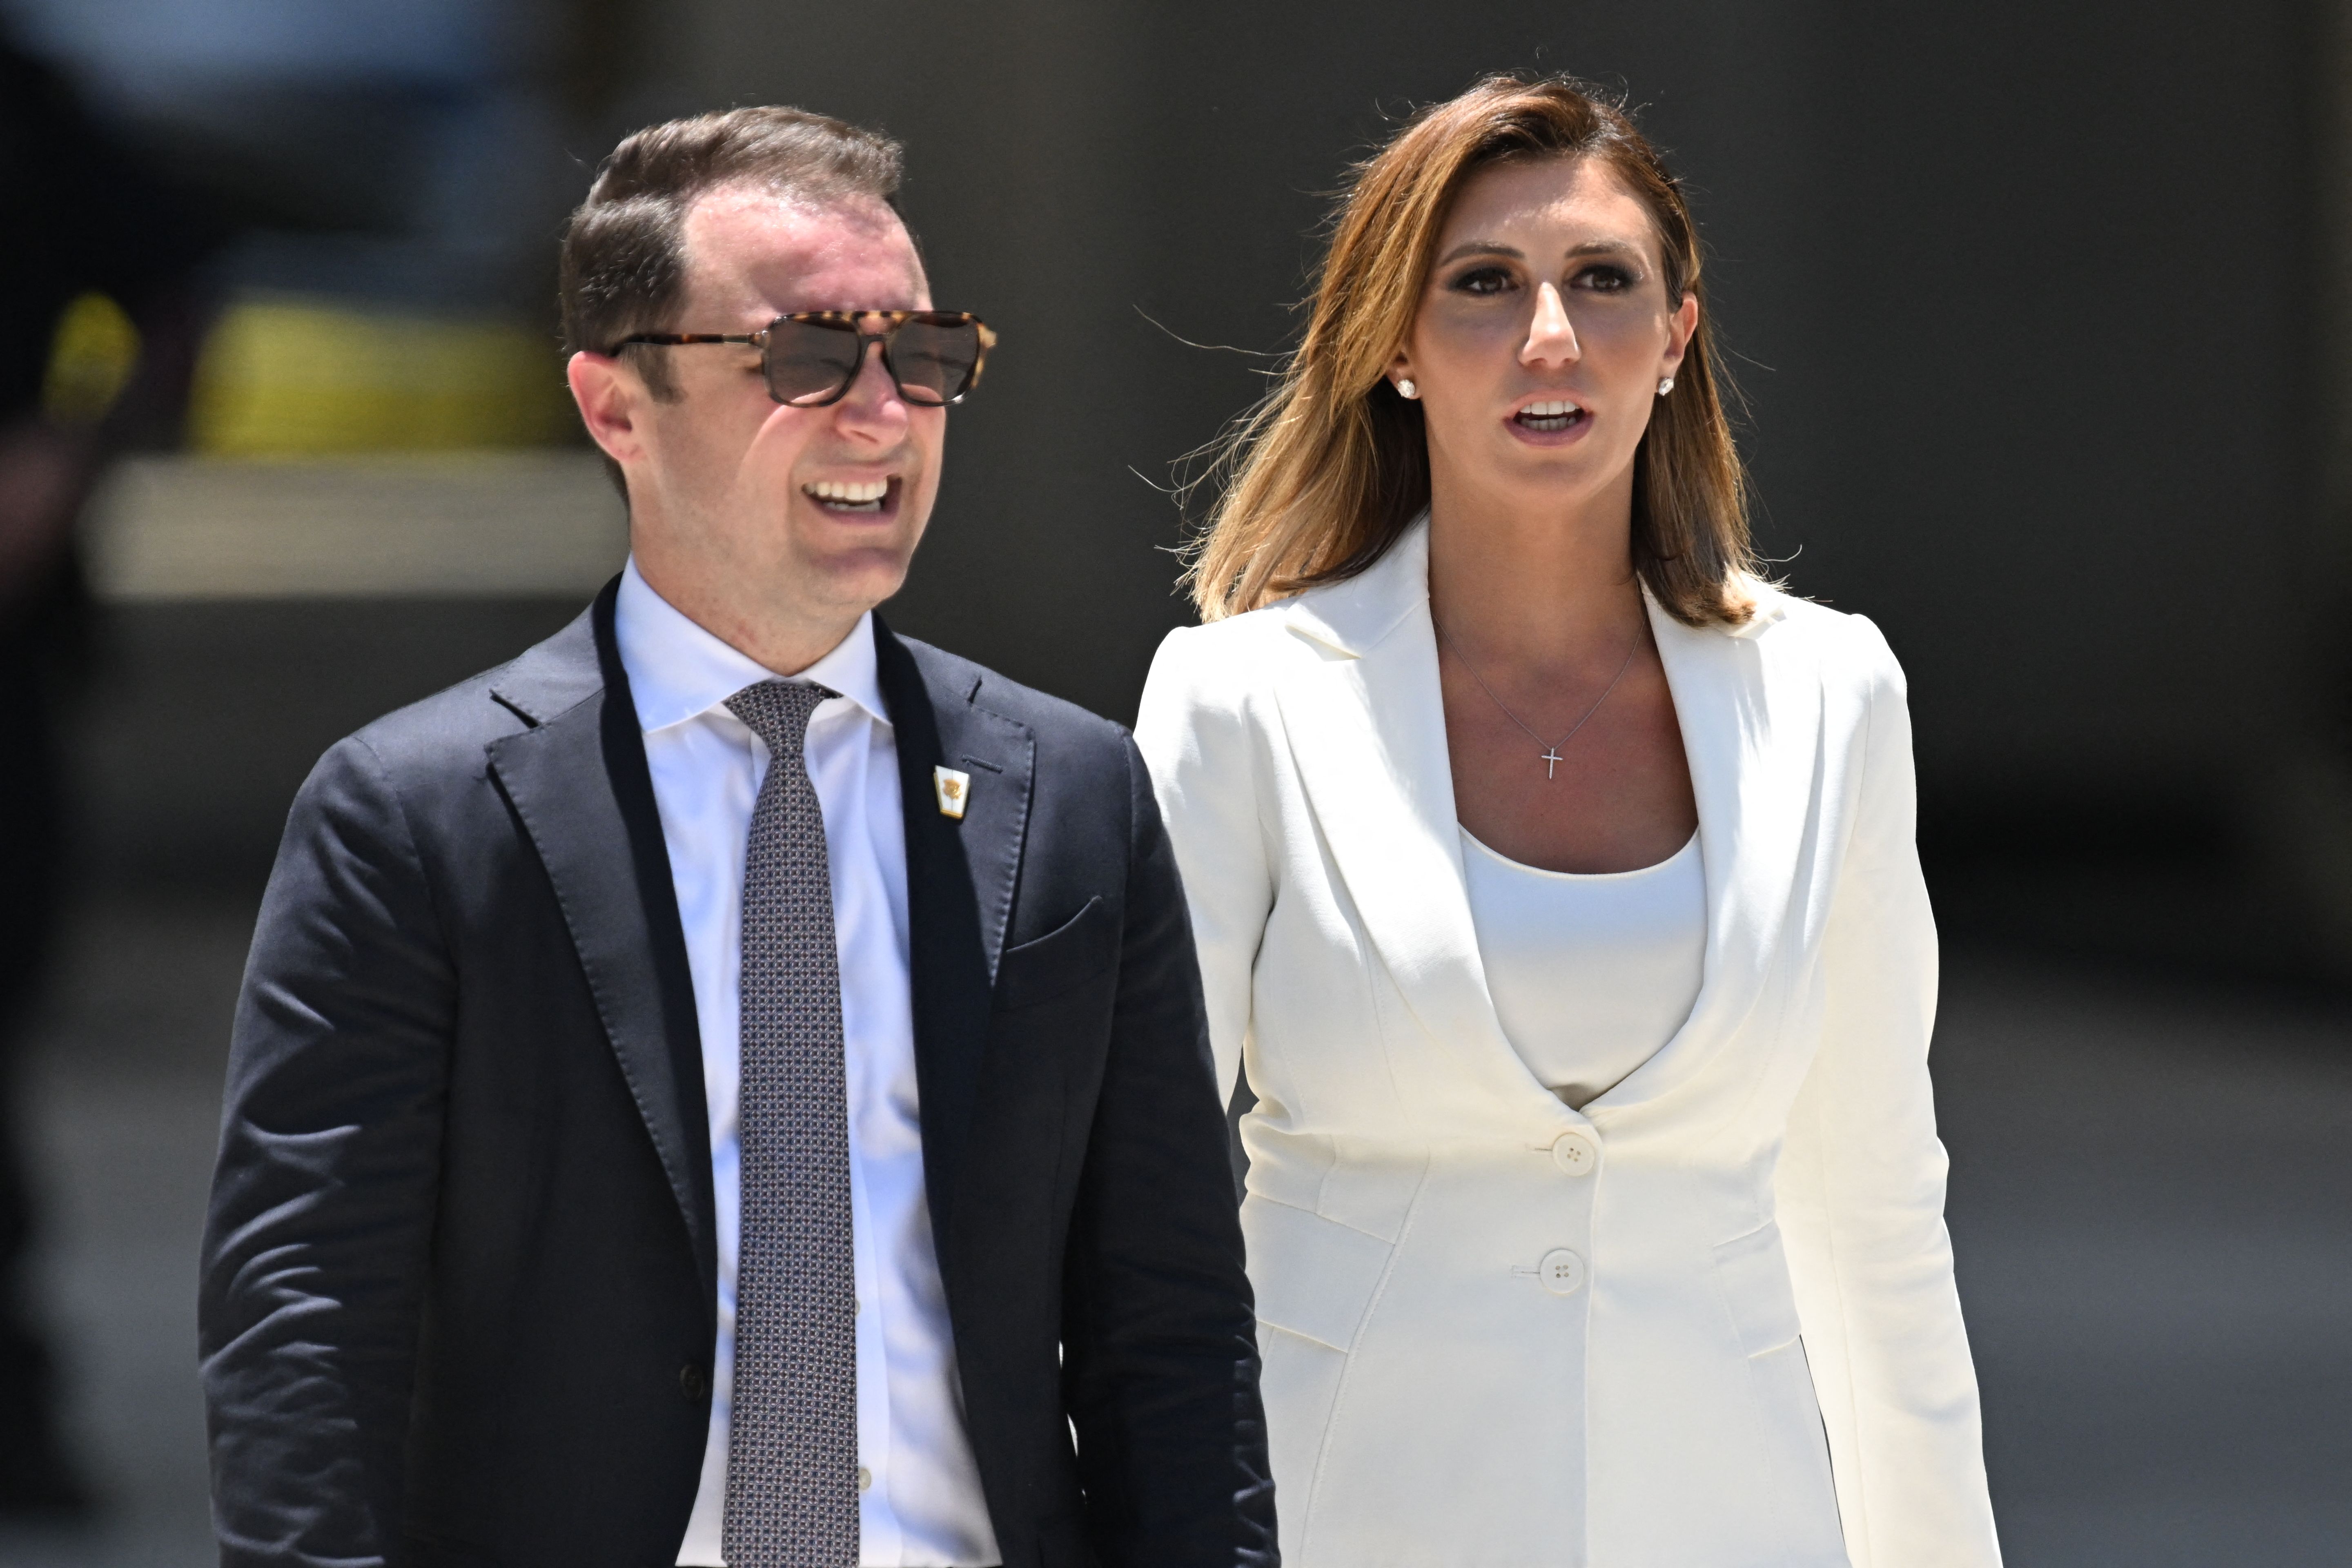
column 1665, row 386
column 1405, row 388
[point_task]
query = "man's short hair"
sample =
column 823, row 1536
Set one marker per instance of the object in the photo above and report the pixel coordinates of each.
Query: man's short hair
column 623, row 263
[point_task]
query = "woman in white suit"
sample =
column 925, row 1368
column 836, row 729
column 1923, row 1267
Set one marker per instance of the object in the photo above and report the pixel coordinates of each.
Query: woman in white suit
column 1554, row 883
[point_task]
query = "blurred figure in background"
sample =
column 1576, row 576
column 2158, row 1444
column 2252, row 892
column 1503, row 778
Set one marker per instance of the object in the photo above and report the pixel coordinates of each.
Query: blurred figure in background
column 97, row 328
column 392, row 173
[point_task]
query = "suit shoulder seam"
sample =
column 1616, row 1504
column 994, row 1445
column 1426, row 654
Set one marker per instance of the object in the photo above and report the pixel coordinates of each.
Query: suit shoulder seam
column 413, row 845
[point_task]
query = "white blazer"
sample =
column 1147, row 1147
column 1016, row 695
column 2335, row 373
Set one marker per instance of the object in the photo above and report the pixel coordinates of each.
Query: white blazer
column 1499, row 1331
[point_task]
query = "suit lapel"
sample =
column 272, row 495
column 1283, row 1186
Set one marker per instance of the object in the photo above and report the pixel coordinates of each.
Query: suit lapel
column 1366, row 723
column 1750, row 713
column 578, row 780
column 960, row 880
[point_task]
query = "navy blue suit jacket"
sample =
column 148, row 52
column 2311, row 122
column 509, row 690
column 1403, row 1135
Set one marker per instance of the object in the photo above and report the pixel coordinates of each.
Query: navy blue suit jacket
column 457, row 1291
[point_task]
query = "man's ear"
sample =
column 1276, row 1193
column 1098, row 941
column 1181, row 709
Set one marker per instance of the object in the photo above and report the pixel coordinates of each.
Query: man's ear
column 612, row 399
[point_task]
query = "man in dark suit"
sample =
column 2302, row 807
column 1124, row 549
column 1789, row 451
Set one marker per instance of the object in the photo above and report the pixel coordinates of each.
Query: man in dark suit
column 729, row 996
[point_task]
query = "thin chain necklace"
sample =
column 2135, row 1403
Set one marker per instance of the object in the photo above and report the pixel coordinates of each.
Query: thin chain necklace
column 1550, row 757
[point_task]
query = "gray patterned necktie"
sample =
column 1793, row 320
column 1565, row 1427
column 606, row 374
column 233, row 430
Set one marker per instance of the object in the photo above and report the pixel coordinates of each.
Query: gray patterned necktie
column 792, row 1452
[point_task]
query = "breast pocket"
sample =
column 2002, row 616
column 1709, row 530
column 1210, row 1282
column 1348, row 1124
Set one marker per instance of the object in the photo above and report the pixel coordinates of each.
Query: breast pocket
column 1083, row 948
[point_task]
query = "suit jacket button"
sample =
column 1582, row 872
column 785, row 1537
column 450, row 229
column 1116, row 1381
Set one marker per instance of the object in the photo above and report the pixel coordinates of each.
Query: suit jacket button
column 1575, row 1153
column 694, row 1382
column 1561, row 1271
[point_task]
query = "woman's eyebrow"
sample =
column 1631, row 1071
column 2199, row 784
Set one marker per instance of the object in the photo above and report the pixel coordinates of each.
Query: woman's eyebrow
column 1497, row 248
column 1481, row 248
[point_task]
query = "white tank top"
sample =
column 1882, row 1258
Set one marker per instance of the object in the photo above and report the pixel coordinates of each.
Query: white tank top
column 1591, row 974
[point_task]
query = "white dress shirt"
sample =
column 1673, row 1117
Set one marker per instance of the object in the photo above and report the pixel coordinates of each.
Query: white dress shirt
column 920, row 1504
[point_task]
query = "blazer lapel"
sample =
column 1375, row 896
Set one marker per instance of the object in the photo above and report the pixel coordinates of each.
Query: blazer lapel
column 1366, row 723
column 960, row 880
column 1750, row 715
column 577, row 779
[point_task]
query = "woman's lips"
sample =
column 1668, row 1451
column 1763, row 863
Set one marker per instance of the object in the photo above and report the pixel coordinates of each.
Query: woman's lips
column 1548, row 419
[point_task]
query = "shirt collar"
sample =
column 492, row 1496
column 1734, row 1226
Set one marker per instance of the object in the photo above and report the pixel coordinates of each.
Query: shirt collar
column 677, row 671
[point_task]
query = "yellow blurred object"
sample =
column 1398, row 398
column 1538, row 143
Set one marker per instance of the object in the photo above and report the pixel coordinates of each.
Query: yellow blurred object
column 90, row 361
column 285, row 378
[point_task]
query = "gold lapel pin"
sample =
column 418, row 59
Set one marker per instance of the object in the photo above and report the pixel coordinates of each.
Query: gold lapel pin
column 954, row 789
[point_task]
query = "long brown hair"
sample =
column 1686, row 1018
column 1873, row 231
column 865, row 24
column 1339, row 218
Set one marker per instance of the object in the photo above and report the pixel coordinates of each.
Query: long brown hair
column 1327, row 472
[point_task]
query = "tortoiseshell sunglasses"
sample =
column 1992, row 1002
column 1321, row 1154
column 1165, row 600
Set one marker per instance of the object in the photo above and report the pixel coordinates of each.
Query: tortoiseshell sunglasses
column 812, row 358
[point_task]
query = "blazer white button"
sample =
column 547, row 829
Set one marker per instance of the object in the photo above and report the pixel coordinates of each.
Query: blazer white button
column 1561, row 1271
column 864, row 1479
column 1575, row 1153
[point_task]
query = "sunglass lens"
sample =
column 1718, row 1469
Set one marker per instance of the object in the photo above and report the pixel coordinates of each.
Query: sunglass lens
column 933, row 362
column 810, row 362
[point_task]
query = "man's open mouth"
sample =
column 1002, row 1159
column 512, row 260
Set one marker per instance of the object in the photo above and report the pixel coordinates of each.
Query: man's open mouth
column 850, row 495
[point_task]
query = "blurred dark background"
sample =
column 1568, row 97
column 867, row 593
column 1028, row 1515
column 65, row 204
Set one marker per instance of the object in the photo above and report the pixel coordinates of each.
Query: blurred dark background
column 2043, row 313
